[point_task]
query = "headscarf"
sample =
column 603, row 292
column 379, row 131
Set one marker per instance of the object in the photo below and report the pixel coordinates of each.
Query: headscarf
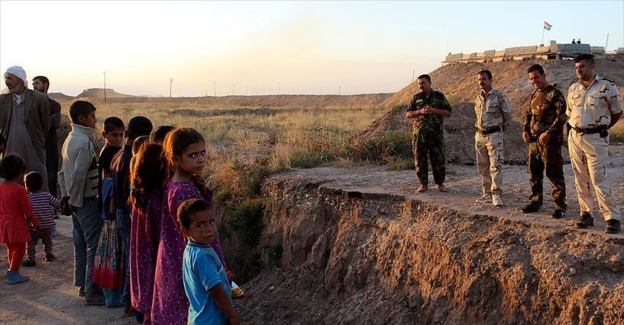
column 19, row 72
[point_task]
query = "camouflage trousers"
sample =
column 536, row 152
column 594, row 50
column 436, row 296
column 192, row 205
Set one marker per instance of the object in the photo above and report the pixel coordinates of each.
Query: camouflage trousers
column 429, row 144
column 589, row 154
column 549, row 159
column 490, row 160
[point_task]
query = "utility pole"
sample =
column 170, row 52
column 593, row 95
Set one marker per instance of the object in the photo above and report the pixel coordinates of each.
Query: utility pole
column 215, row 88
column 170, row 86
column 413, row 75
column 607, row 43
column 338, row 90
column 279, row 85
column 234, row 89
column 104, row 87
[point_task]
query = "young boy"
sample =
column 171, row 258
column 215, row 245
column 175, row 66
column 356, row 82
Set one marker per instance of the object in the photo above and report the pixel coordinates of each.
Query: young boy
column 114, row 129
column 78, row 180
column 205, row 280
column 120, row 171
column 41, row 202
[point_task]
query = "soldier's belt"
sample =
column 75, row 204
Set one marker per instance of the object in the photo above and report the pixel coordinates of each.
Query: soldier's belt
column 590, row 131
column 490, row 130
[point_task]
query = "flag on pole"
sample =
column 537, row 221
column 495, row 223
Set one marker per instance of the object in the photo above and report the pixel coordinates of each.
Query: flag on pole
column 547, row 26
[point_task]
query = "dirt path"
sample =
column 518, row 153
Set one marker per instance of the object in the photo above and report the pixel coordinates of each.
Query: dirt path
column 49, row 297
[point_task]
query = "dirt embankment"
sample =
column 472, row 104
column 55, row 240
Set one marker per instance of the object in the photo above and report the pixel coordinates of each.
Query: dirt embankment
column 358, row 246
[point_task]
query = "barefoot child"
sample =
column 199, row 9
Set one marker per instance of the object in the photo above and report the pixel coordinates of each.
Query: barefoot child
column 205, row 279
column 42, row 203
column 15, row 214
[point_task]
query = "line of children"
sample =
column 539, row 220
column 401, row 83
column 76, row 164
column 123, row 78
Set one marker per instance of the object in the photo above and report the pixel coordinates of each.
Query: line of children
column 79, row 183
column 42, row 202
column 120, row 169
column 15, row 214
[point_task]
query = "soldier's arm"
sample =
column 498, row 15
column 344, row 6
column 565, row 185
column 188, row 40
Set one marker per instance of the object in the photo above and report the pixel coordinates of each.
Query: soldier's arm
column 507, row 111
column 615, row 103
column 444, row 110
column 412, row 112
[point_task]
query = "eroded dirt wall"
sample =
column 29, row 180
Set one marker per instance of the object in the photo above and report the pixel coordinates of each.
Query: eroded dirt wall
column 349, row 257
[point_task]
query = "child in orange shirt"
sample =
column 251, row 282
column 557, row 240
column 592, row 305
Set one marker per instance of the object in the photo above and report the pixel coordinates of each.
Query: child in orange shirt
column 15, row 214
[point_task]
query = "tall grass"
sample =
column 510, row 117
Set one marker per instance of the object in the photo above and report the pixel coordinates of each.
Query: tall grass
column 245, row 145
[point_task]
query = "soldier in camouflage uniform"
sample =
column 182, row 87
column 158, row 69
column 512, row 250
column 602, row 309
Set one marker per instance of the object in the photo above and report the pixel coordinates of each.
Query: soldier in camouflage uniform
column 428, row 109
column 494, row 113
column 543, row 131
column 594, row 105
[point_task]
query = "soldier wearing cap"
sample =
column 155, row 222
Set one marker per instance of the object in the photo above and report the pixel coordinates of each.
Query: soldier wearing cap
column 428, row 109
column 543, row 132
column 594, row 105
column 494, row 113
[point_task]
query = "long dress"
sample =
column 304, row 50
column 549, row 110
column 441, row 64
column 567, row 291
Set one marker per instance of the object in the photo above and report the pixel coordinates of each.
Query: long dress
column 144, row 240
column 170, row 304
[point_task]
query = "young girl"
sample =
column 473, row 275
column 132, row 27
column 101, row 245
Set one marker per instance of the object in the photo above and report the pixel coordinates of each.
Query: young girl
column 15, row 214
column 185, row 151
column 148, row 179
column 108, row 264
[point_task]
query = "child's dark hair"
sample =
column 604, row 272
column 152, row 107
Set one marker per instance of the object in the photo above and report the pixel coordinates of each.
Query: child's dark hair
column 80, row 108
column 106, row 157
column 33, row 181
column 2, row 139
column 149, row 174
column 188, row 208
column 175, row 143
column 158, row 134
column 11, row 167
column 177, row 140
column 113, row 122
column 138, row 142
column 138, row 126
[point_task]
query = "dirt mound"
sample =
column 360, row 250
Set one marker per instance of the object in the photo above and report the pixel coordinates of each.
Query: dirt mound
column 100, row 93
column 459, row 83
column 60, row 97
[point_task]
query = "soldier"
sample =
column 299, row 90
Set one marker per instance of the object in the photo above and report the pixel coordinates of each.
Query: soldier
column 543, row 131
column 594, row 105
column 494, row 113
column 428, row 108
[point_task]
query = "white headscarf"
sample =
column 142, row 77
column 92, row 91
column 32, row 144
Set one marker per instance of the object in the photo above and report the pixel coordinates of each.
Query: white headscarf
column 19, row 72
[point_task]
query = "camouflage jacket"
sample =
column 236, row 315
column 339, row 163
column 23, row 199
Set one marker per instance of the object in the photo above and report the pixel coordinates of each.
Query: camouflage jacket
column 493, row 110
column 429, row 122
column 593, row 107
column 546, row 113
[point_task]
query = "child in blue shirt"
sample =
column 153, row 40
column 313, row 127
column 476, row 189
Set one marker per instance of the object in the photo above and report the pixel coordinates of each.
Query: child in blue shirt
column 205, row 280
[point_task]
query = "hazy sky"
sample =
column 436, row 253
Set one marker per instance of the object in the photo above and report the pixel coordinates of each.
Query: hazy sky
column 271, row 47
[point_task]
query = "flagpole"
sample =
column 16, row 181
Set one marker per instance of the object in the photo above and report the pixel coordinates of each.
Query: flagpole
column 543, row 29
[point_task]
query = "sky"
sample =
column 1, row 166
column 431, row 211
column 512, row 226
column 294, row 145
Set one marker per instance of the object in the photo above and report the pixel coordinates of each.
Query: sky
column 222, row 48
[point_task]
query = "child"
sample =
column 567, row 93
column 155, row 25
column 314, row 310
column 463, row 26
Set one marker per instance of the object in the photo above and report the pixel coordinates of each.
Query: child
column 148, row 176
column 15, row 211
column 78, row 180
column 185, row 151
column 158, row 134
column 41, row 202
column 120, row 170
column 108, row 273
column 113, row 133
column 205, row 279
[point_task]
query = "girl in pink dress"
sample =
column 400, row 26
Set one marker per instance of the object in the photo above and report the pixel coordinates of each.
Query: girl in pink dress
column 148, row 178
column 185, row 151
column 16, row 213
